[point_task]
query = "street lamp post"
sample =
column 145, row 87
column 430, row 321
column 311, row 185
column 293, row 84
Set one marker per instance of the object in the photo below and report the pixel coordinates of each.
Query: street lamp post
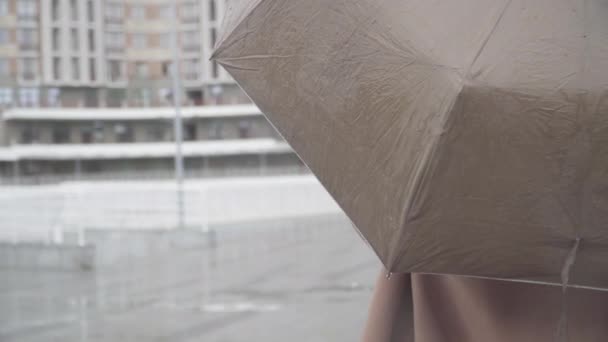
column 177, row 122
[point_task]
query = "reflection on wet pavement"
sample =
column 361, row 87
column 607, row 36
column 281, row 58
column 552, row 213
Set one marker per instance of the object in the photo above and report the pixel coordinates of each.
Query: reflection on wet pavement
column 309, row 282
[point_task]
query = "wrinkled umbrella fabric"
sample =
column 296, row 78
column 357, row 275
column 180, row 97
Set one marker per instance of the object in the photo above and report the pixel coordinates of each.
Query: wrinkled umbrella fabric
column 460, row 137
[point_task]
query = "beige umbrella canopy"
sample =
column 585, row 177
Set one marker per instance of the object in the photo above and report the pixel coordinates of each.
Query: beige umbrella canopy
column 460, row 137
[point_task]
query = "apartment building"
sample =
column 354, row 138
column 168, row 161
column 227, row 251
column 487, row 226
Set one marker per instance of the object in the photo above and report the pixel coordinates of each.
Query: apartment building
column 109, row 53
column 20, row 82
column 54, row 144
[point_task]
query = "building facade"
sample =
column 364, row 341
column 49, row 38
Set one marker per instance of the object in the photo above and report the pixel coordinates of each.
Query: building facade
column 109, row 53
column 54, row 144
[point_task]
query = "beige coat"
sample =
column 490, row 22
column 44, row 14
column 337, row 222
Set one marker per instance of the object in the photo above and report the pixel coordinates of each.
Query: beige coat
column 430, row 308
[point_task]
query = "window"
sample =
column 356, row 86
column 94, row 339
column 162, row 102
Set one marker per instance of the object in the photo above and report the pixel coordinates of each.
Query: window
column 166, row 12
column 53, row 97
column 164, row 40
column 27, row 37
column 92, row 166
column 244, row 129
column 3, row 7
column 4, row 67
column 74, row 9
column 215, row 130
column 213, row 37
column 167, row 68
column 86, row 134
column 91, row 11
column 26, row 9
column 190, row 38
column 74, row 39
column 191, row 69
column 29, row 97
column 91, row 98
column 216, row 90
column 214, row 69
column 29, row 135
column 190, row 131
column 156, row 132
column 56, row 68
column 28, row 69
column 75, row 68
column 141, row 69
column 115, row 39
column 212, row 10
column 92, row 71
column 55, row 9
column 6, row 96
column 139, row 40
column 114, row 70
column 61, row 134
column 191, row 66
column 189, row 10
column 123, row 132
column 164, row 94
column 113, row 10
column 91, row 40
column 56, row 38
column 99, row 133
column 143, row 98
column 4, row 36
column 138, row 12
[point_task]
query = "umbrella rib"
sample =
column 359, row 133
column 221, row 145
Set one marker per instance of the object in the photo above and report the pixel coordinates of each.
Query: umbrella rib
column 236, row 67
column 219, row 49
column 424, row 170
column 254, row 57
column 221, row 46
column 490, row 34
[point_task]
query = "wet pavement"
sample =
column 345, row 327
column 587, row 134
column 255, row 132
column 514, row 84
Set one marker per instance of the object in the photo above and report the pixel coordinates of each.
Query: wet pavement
column 310, row 282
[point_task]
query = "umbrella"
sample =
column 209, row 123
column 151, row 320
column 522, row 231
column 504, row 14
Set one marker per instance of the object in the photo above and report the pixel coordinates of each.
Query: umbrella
column 460, row 137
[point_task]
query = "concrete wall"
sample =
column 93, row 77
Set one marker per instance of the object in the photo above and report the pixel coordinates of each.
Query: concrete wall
column 122, row 221
column 113, row 246
column 107, row 248
column 38, row 256
column 44, row 211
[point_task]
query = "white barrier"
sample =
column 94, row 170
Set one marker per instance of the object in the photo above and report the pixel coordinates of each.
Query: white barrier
column 47, row 213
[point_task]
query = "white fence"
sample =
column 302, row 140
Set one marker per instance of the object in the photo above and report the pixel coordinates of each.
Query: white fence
column 49, row 212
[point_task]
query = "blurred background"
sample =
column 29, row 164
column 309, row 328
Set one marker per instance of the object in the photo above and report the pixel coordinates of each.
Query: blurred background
column 143, row 197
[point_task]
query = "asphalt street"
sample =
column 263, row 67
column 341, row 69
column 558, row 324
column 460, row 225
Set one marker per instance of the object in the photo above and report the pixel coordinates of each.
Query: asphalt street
column 310, row 282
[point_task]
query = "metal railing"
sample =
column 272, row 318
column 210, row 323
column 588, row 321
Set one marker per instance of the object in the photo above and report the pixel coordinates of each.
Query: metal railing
column 202, row 173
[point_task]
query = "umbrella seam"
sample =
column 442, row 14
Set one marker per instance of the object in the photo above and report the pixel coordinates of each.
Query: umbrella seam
column 423, row 173
column 214, row 55
column 487, row 39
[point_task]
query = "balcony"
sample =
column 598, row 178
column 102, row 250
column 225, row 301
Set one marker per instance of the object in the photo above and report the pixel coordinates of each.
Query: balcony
column 190, row 76
column 190, row 18
column 114, row 20
column 27, row 17
column 192, row 47
column 28, row 46
column 115, row 78
column 115, row 49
